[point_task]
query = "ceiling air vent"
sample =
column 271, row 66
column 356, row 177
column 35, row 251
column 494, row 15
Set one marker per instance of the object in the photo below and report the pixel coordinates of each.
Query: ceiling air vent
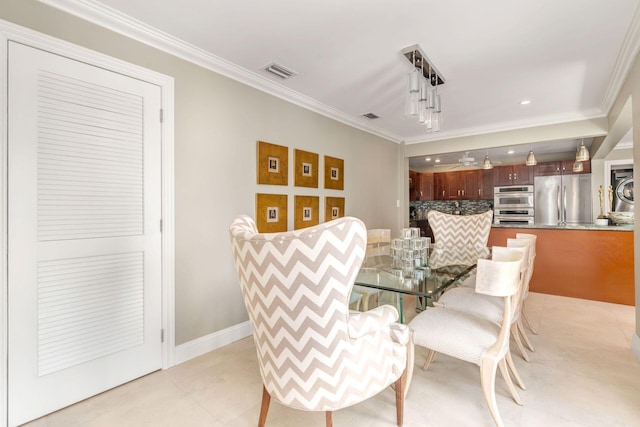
column 280, row 71
column 370, row 116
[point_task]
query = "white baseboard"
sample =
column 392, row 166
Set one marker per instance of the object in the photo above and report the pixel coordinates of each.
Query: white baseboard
column 635, row 346
column 202, row 345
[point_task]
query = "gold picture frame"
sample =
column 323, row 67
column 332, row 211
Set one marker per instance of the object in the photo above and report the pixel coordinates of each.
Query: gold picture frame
column 333, row 173
column 306, row 211
column 273, row 164
column 305, row 169
column 333, row 208
column 271, row 213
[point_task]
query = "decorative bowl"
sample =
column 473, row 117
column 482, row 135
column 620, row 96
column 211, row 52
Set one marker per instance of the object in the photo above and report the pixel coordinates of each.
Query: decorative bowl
column 621, row 217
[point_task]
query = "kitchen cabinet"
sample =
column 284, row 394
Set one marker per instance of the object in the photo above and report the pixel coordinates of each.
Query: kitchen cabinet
column 439, row 186
column 413, row 184
column 425, row 191
column 561, row 167
column 459, row 185
column 420, row 186
column 513, row 175
column 486, row 184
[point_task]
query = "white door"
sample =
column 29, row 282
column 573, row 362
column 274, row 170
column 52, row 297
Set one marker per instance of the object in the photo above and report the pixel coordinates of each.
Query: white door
column 84, row 242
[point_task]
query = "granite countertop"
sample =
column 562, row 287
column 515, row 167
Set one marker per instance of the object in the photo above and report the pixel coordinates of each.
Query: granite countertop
column 568, row 227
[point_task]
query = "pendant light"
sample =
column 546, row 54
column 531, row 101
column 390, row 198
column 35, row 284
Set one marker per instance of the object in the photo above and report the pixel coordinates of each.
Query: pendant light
column 531, row 159
column 582, row 155
column 577, row 166
column 486, row 164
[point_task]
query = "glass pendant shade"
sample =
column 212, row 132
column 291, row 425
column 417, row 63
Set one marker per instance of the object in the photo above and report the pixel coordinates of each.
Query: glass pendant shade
column 577, row 166
column 486, row 164
column 582, row 155
column 531, row 159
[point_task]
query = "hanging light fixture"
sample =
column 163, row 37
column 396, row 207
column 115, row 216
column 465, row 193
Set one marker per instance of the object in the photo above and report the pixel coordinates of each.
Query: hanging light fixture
column 582, row 154
column 423, row 100
column 486, row 164
column 577, row 166
column 531, row 159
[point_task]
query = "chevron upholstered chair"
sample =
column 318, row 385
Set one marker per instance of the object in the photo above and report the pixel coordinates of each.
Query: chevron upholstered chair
column 314, row 354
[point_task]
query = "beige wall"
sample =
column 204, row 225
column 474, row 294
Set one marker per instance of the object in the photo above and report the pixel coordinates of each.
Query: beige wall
column 217, row 124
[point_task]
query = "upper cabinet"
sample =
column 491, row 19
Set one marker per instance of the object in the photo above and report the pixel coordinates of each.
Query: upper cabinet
column 564, row 167
column 473, row 184
column 513, row 175
column 420, row 186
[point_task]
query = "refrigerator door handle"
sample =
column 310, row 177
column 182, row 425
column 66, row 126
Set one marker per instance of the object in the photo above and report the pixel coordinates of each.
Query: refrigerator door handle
column 558, row 217
column 564, row 205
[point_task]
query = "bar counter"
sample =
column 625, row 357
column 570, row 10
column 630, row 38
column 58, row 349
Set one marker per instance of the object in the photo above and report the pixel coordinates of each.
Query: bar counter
column 588, row 262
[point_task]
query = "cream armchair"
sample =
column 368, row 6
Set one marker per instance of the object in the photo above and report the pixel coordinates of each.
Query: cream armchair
column 313, row 353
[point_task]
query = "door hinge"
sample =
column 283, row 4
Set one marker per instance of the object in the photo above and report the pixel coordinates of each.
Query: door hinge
column 161, row 115
column 161, row 335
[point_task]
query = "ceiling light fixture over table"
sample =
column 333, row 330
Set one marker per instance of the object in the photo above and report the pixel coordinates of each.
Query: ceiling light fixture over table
column 422, row 97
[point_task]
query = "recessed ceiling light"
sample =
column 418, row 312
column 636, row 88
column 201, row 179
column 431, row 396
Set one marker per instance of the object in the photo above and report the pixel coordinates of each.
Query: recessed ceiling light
column 437, row 160
column 525, row 102
column 510, row 152
column 428, row 159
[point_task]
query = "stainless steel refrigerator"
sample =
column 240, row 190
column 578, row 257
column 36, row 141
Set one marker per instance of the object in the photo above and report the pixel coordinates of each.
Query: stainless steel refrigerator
column 563, row 199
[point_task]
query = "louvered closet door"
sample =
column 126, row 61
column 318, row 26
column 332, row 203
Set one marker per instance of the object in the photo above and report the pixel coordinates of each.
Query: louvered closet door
column 83, row 231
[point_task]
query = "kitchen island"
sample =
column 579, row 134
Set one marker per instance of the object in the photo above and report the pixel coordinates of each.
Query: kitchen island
column 588, row 262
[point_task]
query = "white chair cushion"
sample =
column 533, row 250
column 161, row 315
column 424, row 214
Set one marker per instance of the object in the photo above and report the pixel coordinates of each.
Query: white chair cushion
column 457, row 334
column 468, row 300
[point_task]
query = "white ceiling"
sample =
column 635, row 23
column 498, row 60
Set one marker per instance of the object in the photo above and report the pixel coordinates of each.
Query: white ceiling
column 561, row 55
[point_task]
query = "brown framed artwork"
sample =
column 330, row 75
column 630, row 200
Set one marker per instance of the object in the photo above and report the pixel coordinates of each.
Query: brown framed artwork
column 273, row 164
column 333, row 173
column 306, row 211
column 271, row 213
column 333, row 208
column 305, row 170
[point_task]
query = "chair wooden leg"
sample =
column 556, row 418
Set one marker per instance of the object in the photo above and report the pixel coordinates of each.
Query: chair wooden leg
column 507, row 378
column 266, row 399
column 514, row 371
column 516, row 338
column 329, row 419
column 527, row 320
column 488, row 368
column 525, row 337
column 400, row 399
column 430, row 356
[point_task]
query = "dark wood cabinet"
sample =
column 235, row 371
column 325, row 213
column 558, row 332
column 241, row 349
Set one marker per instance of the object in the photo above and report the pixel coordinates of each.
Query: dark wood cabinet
column 561, row 167
column 439, row 186
column 513, row 175
column 413, row 186
column 425, row 191
column 486, row 184
column 461, row 185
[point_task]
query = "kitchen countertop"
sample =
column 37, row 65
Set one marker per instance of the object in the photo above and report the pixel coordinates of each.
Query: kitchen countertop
column 568, row 227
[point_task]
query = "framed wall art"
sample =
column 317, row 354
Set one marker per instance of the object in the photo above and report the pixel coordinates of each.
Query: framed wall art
column 333, row 208
column 273, row 164
column 333, row 173
column 271, row 213
column 306, row 211
column 305, row 169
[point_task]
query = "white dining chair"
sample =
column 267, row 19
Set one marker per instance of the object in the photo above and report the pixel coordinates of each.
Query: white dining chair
column 472, row 338
column 464, row 298
column 525, row 314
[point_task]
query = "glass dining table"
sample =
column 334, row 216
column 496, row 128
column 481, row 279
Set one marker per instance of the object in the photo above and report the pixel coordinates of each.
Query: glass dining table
column 444, row 267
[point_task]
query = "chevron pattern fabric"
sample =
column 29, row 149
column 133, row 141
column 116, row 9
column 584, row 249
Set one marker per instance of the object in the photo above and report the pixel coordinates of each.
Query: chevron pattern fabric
column 460, row 239
column 313, row 354
column 472, row 230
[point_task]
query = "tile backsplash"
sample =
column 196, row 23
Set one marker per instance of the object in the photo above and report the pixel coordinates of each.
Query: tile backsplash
column 418, row 210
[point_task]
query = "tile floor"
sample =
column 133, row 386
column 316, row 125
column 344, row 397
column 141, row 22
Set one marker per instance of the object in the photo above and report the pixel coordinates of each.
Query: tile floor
column 582, row 374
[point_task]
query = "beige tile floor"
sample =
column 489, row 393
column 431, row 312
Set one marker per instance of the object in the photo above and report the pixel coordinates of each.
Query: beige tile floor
column 582, row 374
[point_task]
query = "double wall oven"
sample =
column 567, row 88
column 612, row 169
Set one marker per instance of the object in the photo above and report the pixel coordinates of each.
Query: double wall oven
column 513, row 204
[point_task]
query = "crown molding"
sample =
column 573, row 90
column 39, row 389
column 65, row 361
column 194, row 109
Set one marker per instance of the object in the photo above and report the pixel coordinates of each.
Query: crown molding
column 111, row 19
column 626, row 57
